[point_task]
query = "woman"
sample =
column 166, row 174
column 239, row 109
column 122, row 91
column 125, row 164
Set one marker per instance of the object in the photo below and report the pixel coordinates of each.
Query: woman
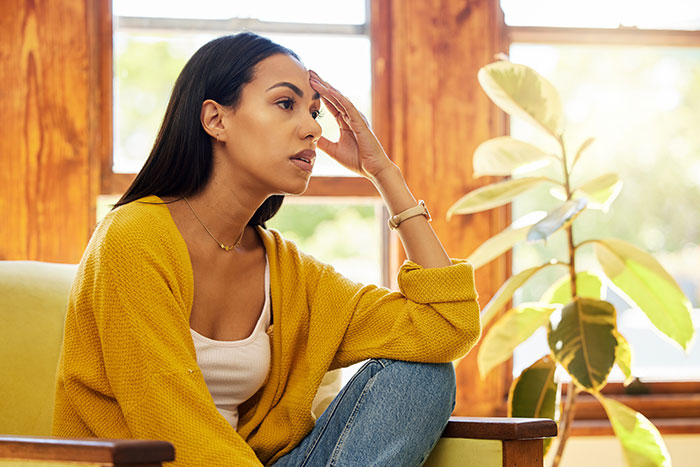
column 190, row 322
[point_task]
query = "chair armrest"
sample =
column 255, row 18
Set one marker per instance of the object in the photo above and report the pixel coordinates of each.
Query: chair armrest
column 116, row 452
column 504, row 428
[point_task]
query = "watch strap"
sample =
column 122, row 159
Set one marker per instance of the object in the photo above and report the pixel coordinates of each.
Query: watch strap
column 419, row 210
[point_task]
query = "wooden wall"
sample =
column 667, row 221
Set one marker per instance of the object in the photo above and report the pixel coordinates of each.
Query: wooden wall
column 50, row 103
column 430, row 114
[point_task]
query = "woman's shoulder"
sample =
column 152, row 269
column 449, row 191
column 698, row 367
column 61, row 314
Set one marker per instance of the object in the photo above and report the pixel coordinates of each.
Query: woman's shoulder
column 287, row 256
column 142, row 224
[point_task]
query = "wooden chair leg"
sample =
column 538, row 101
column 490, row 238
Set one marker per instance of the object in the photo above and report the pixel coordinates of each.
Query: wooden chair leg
column 523, row 453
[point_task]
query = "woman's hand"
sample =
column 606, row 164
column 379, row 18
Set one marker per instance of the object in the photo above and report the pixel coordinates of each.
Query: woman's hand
column 358, row 148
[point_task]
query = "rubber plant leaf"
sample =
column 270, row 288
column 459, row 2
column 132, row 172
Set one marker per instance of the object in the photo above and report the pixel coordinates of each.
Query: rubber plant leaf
column 535, row 394
column 623, row 357
column 493, row 195
column 641, row 442
column 509, row 331
column 521, row 92
column 601, row 191
column 503, row 295
column 588, row 284
column 504, row 240
column 647, row 285
column 505, row 155
column 559, row 218
column 584, row 341
column 583, row 147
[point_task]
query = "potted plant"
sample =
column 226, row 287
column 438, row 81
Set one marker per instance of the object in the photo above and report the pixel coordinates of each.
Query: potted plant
column 581, row 325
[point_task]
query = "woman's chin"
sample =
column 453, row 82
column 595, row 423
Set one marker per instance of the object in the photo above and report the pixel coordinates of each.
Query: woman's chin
column 296, row 189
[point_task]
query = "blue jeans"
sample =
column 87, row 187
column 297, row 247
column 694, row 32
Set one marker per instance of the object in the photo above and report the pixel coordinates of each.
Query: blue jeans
column 391, row 413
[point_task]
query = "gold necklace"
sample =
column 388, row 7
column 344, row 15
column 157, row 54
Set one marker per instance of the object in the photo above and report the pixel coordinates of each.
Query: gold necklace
column 221, row 245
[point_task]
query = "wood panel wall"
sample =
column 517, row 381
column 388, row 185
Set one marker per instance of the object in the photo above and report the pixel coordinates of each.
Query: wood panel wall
column 430, row 114
column 50, row 136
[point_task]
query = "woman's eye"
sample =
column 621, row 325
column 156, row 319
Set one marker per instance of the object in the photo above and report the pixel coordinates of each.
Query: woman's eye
column 316, row 114
column 287, row 104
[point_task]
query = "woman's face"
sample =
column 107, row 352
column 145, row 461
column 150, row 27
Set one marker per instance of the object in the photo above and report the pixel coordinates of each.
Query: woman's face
column 274, row 121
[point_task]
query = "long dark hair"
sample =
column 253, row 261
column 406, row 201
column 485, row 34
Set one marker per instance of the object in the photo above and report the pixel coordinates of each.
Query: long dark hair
column 180, row 162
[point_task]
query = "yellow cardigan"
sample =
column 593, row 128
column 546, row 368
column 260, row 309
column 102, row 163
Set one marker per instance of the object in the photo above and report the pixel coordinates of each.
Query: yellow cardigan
column 128, row 367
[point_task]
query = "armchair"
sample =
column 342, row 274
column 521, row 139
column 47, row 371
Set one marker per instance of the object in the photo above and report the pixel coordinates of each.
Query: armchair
column 33, row 297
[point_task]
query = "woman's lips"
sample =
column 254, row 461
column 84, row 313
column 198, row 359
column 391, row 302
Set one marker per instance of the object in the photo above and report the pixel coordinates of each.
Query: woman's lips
column 304, row 159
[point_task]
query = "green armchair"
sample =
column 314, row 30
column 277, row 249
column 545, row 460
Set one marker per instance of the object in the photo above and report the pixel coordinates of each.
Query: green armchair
column 33, row 298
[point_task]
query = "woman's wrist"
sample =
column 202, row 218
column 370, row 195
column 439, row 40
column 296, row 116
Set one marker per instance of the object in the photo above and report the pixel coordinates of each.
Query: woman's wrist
column 392, row 187
column 389, row 174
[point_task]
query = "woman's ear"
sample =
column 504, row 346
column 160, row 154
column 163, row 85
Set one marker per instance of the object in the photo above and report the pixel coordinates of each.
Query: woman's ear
column 212, row 119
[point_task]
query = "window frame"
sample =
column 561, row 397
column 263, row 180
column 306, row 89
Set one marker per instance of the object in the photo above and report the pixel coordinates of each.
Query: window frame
column 673, row 406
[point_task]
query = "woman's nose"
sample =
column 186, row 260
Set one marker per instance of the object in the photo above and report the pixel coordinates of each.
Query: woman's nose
column 311, row 129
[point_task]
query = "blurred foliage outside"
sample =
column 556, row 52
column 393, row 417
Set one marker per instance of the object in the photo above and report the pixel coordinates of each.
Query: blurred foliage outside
column 148, row 63
column 346, row 236
column 641, row 104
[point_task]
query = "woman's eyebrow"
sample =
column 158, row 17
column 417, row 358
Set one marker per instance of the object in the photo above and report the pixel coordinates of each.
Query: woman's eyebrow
column 294, row 88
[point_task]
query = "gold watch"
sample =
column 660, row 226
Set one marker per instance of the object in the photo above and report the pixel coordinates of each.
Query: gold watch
column 419, row 210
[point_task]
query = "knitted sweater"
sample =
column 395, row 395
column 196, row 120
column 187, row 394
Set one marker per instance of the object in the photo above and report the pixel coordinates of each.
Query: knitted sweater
column 128, row 367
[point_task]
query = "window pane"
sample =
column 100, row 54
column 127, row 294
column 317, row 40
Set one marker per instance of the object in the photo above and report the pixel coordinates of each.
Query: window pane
column 141, row 94
column 306, row 11
column 641, row 106
column 323, row 230
column 644, row 14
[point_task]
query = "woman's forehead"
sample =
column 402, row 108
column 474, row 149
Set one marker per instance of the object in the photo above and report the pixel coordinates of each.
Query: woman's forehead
column 281, row 67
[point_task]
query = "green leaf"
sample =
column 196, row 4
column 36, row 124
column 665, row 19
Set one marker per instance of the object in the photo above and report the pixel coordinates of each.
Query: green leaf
column 583, row 147
column 493, row 195
column 505, row 240
column 623, row 357
column 588, row 285
column 648, row 286
column 521, row 92
column 535, row 394
column 505, row 155
column 558, row 218
column 558, row 192
column 601, row 191
column 584, row 342
column 641, row 441
column 505, row 293
column 511, row 329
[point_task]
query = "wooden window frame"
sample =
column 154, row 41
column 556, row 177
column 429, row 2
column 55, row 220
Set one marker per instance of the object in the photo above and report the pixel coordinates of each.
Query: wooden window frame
column 673, row 406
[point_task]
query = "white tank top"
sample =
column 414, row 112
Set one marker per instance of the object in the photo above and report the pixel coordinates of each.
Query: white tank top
column 235, row 370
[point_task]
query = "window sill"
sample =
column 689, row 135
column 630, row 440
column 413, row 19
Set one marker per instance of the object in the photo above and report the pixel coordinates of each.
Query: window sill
column 666, row 426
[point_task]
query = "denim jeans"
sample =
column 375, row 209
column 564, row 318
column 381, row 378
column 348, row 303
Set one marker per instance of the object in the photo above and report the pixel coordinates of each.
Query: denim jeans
column 391, row 413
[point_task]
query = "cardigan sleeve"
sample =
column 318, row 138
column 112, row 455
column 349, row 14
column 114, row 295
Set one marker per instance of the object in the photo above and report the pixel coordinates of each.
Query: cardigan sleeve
column 136, row 288
column 434, row 318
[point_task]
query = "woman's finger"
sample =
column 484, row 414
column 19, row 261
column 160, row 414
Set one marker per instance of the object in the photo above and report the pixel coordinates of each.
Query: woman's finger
column 327, row 146
column 342, row 102
column 332, row 105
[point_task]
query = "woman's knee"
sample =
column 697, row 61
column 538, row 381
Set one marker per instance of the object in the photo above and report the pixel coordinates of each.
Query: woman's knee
column 433, row 383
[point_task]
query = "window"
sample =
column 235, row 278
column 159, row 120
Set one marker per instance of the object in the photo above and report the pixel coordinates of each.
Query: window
column 642, row 14
column 159, row 36
column 636, row 92
column 639, row 104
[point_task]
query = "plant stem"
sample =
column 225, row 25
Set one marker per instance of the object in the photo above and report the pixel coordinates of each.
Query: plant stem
column 568, row 415
column 569, row 229
column 567, row 421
